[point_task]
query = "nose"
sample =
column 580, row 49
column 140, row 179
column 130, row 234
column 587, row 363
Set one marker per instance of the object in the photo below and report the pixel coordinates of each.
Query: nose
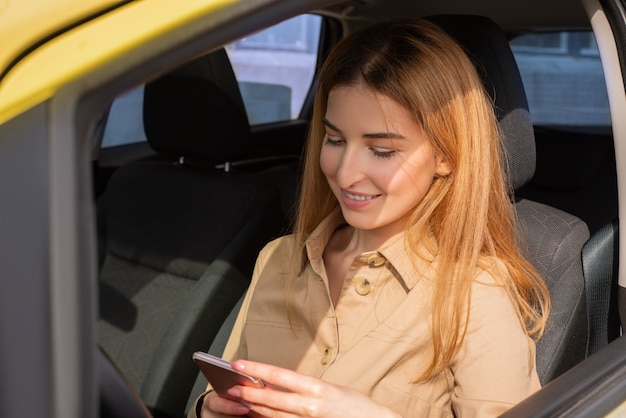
column 350, row 169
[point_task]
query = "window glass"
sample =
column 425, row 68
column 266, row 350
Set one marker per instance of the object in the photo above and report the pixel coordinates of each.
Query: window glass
column 563, row 78
column 274, row 68
column 125, row 121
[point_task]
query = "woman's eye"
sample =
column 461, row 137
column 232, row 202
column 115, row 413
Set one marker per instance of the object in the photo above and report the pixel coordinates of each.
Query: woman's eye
column 333, row 142
column 383, row 153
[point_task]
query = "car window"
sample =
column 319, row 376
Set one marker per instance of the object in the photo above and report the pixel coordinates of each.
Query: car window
column 125, row 121
column 274, row 68
column 563, row 78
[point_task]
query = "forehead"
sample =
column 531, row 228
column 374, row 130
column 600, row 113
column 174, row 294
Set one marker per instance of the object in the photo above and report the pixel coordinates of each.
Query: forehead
column 358, row 105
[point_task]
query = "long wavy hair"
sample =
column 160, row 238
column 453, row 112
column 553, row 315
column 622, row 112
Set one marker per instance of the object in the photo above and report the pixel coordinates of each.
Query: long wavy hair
column 467, row 216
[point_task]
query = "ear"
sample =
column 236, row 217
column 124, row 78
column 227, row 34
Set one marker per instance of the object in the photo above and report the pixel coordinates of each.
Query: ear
column 442, row 168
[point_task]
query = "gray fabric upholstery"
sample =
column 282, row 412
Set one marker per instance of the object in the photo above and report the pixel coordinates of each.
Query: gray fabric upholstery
column 217, row 349
column 487, row 46
column 137, row 306
column 180, row 239
column 176, row 106
column 551, row 238
column 197, row 111
column 554, row 241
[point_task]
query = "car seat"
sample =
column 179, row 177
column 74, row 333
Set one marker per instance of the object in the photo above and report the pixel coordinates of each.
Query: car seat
column 179, row 236
column 552, row 239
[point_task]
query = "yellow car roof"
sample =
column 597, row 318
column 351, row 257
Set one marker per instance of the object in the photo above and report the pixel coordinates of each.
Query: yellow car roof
column 27, row 23
column 53, row 42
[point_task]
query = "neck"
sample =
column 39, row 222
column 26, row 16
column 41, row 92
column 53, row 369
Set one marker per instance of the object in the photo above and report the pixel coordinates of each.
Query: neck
column 362, row 240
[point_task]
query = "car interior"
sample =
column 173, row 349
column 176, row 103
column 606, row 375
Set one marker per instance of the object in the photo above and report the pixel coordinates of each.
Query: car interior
column 182, row 213
column 180, row 236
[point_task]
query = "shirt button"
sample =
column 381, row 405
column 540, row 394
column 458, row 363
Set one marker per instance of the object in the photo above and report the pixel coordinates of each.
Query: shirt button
column 376, row 261
column 326, row 356
column 362, row 287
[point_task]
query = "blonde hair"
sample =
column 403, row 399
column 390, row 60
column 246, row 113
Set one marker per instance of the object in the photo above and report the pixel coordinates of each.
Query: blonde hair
column 466, row 216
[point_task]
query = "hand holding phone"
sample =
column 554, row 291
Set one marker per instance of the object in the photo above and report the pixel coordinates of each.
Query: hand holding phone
column 222, row 376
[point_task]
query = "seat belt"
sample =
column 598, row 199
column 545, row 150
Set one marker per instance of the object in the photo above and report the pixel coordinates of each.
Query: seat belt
column 599, row 258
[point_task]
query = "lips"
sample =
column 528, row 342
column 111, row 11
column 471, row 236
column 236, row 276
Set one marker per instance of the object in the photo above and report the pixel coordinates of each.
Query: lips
column 359, row 197
column 357, row 201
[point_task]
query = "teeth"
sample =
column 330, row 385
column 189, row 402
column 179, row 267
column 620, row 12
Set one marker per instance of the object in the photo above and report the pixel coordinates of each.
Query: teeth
column 358, row 197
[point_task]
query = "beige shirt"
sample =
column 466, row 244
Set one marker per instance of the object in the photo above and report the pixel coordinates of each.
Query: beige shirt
column 377, row 337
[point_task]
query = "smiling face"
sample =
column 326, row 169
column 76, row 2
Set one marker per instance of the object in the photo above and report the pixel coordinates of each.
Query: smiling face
column 378, row 161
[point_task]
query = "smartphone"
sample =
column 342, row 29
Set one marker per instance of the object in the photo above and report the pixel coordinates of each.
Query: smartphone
column 222, row 376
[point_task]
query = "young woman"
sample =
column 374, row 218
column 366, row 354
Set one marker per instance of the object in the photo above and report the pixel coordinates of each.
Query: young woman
column 401, row 291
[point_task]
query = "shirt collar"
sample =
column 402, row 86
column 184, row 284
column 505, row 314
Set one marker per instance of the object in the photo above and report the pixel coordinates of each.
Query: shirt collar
column 409, row 266
column 317, row 240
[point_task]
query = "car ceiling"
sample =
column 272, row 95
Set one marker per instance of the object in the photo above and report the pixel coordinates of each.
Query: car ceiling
column 510, row 15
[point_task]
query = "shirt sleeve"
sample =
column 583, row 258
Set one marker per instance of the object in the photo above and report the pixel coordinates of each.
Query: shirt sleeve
column 495, row 366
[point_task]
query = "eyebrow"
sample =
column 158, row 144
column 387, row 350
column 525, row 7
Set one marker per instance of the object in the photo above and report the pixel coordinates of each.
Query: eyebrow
column 376, row 135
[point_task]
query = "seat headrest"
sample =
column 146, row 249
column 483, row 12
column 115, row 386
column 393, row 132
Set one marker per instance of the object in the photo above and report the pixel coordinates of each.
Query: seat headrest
column 197, row 111
column 487, row 46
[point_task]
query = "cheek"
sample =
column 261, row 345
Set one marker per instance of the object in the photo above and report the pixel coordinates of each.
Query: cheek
column 328, row 162
column 387, row 175
column 413, row 179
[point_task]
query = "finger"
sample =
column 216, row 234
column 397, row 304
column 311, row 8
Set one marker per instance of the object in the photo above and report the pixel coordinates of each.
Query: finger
column 260, row 411
column 265, row 407
column 213, row 403
column 273, row 403
column 283, row 378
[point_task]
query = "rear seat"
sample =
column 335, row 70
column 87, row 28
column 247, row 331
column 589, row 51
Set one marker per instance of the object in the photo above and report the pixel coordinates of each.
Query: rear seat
column 179, row 237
